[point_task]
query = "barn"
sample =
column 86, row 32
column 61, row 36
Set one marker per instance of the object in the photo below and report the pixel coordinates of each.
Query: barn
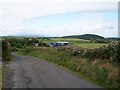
column 53, row 44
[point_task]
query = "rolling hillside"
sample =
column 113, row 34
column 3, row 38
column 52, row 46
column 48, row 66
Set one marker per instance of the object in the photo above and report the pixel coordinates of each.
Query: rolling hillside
column 85, row 36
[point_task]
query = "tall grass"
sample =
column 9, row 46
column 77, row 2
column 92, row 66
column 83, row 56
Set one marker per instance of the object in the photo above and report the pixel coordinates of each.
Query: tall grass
column 97, row 65
column 0, row 76
column 109, row 52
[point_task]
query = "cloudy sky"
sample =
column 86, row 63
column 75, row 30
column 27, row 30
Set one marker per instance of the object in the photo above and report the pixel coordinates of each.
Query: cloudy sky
column 59, row 17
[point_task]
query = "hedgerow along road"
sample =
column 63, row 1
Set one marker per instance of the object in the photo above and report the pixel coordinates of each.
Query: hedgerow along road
column 30, row 72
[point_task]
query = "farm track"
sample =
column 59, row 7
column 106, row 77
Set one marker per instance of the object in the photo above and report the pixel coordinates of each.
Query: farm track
column 30, row 72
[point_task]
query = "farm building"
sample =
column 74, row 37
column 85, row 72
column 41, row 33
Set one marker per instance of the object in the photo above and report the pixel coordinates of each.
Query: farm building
column 36, row 44
column 53, row 44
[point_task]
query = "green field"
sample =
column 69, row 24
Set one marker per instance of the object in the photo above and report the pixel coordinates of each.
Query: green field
column 76, row 42
column 89, row 45
column 66, row 39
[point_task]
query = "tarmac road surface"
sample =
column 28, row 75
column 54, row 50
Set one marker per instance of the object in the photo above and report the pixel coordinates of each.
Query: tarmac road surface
column 30, row 72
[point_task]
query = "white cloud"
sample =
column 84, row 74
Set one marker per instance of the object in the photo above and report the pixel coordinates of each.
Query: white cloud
column 14, row 12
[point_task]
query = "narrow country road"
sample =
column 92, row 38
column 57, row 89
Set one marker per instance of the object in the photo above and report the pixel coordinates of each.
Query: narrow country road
column 30, row 72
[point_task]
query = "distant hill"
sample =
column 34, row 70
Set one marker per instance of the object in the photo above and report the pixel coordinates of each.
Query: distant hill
column 113, row 38
column 85, row 36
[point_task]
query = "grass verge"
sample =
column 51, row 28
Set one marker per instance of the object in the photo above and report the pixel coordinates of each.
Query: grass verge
column 100, row 72
column 0, row 77
column 3, row 75
column 3, row 71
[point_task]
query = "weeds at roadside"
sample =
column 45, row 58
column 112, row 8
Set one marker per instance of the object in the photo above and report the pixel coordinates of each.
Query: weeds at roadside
column 103, row 72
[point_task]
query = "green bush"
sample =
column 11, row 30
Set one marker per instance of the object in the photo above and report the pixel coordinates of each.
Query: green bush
column 110, row 51
column 6, row 51
column 14, row 49
column 27, row 49
column 116, row 54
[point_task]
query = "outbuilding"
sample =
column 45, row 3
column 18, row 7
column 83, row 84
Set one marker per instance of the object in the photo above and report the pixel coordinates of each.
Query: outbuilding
column 52, row 44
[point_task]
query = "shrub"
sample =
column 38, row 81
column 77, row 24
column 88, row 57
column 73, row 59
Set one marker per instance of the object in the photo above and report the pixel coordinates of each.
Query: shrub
column 110, row 51
column 116, row 54
column 14, row 49
column 28, row 49
column 6, row 51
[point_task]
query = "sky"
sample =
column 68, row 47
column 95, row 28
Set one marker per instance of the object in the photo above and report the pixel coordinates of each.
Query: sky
column 59, row 17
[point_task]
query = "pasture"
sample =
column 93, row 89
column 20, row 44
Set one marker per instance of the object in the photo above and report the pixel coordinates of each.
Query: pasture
column 89, row 45
column 76, row 42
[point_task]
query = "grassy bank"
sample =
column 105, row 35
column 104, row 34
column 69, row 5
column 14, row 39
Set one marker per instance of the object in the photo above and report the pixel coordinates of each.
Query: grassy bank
column 6, row 57
column 3, row 74
column 99, row 71
column 0, row 77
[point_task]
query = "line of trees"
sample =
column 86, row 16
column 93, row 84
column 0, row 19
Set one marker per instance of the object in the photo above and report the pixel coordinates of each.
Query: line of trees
column 18, row 43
